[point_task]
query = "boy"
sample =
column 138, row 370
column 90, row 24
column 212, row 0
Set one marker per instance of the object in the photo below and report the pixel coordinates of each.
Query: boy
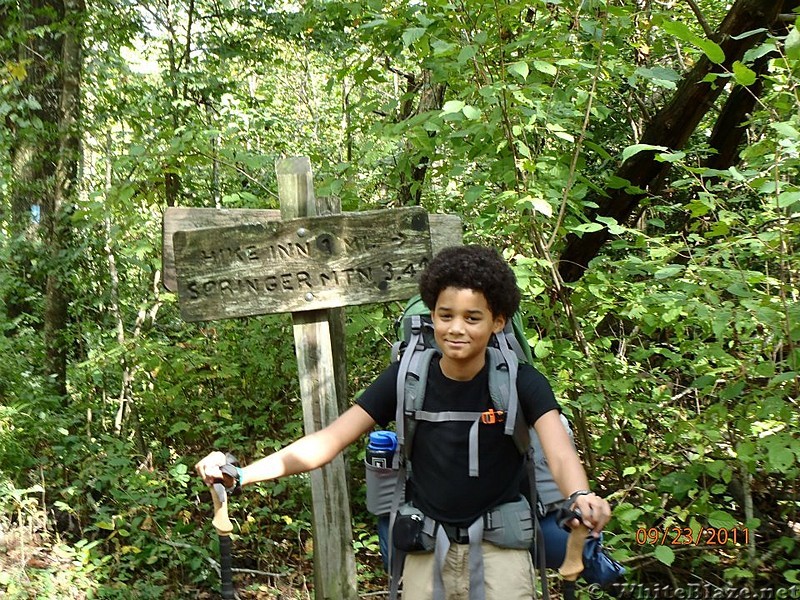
column 471, row 292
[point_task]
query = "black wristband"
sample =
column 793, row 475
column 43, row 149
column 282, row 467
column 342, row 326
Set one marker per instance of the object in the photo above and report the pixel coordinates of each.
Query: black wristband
column 575, row 495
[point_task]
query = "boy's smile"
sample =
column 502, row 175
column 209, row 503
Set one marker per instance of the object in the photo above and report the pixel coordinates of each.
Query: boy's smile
column 462, row 326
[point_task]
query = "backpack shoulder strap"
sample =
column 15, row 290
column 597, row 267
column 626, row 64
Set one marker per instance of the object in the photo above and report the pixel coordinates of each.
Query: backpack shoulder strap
column 409, row 403
column 503, row 369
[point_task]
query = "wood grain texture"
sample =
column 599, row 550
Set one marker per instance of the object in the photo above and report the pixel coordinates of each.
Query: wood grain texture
column 301, row 264
column 446, row 230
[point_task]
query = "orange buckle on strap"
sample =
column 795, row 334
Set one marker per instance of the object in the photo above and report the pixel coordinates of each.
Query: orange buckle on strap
column 492, row 416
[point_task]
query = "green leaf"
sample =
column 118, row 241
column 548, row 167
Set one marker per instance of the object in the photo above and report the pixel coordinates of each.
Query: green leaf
column 743, row 75
column 542, row 348
column 613, row 227
column 792, row 44
column 661, row 76
column 545, row 67
column 559, row 132
column 452, row 106
column 637, row 148
column 628, row 515
column 541, row 205
column 712, row 50
column 679, row 30
column 616, row 183
column 787, row 199
column 669, row 271
column 441, row 48
column 587, row 227
column 664, row 554
column 412, row 34
column 750, row 33
column 467, row 52
column 721, row 520
column 739, row 289
column 671, row 157
column 519, row 69
column 786, row 129
column 471, row 112
column 779, row 457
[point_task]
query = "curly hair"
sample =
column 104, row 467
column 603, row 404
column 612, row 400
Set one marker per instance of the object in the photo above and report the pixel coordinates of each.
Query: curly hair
column 472, row 267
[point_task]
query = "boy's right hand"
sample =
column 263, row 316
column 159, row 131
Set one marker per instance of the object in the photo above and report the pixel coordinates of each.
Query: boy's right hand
column 208, row 468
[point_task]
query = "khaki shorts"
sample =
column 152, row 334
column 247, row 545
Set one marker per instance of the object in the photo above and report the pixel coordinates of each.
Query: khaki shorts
column 508, row 574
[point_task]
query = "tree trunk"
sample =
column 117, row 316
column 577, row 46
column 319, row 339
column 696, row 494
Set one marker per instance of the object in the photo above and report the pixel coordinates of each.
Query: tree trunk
column 31, row 163
column 64, row 190
column 431, row 97
column 45, row 159
column 671, row 127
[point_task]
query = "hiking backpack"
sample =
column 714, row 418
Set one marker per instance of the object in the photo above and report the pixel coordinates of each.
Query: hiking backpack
column 414, row 351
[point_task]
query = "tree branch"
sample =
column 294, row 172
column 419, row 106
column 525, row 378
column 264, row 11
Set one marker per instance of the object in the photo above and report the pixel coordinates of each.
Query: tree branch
column 670, row 127
column 701, row 19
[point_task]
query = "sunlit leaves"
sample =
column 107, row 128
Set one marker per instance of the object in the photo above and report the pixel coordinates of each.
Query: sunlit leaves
column 520, row 69
column 792, row 44
column 681, row 31
column 743, row 74
column 637, row 148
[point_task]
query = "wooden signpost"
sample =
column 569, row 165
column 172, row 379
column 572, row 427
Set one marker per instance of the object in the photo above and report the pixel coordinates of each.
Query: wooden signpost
column 245, row 262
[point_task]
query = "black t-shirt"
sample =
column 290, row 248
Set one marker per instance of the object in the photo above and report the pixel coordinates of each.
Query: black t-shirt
column 441, row 486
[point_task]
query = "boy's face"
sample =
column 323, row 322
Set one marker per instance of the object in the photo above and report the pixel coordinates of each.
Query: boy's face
column 462, row 326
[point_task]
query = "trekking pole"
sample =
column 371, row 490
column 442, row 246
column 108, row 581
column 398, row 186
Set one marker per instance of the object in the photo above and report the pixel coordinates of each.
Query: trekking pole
column 223, row 525
column 572, row 566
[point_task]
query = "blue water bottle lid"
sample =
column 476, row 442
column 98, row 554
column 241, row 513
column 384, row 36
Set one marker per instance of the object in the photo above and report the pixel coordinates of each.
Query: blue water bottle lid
column 383, row 440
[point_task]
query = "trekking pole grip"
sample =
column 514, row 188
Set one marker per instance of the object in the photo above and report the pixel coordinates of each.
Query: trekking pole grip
column 223, row 525
column 221, row 521
column 573, row 561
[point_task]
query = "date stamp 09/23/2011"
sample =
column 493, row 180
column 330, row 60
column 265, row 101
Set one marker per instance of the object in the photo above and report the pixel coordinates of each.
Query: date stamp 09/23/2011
column 688, row 536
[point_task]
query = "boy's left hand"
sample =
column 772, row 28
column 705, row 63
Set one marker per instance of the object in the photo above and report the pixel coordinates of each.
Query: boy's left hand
column 595, row 512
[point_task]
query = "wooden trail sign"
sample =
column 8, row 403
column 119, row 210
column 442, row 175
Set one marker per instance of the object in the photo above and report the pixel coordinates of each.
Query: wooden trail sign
column 301, row 264
column 445, row 229
column 242, row 262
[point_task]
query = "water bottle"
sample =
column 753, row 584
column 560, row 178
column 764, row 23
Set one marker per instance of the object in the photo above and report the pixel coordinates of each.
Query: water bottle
column 381, row 449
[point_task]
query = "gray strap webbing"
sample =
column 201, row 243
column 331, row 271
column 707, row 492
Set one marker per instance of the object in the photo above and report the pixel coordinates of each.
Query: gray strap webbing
column 405, row 361
column 512, row 364
column 439, row 555
column 455, row 415
column 538, row 534
column 515, row 344
column 415, row 384
column 476, row 588
column 396, row 347
column 396, row 557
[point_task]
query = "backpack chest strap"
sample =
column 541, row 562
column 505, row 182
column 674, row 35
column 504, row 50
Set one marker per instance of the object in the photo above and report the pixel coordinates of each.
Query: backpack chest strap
column 455, row 415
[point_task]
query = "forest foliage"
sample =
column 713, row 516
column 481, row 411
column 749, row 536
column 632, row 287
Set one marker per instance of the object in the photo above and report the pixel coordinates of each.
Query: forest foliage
column 675, row 352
